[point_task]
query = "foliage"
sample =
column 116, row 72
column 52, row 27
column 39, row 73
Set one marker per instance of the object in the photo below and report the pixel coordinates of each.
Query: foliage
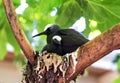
column 116, row 80
column 38, row 14
column 118, row 65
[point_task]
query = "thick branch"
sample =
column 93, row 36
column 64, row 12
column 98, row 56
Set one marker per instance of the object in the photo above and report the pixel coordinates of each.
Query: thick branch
column 93, row 51
column 51, row 68
column 79, row 60
column 18, row 32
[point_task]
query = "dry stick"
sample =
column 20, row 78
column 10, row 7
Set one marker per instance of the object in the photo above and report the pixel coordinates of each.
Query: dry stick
column 94, row 50
column 18, row 32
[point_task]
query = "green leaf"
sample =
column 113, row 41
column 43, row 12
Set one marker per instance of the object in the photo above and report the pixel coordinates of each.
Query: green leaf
column 87, row 30
column 2, row 50
column 69, row 13
column 118, row 65
column 116, row 80
column 16, row 3
column 3, row 41
column 103, row 12
column 11, row 39
column 0, row 1
column 46, row 6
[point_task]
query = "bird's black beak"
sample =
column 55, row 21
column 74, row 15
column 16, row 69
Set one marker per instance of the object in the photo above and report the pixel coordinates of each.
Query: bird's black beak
column 42, row 33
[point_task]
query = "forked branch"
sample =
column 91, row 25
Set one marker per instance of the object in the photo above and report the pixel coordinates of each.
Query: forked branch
column 17, row 31
column 80, row 59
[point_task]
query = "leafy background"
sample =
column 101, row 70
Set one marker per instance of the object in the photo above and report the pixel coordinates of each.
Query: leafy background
column 99, row 15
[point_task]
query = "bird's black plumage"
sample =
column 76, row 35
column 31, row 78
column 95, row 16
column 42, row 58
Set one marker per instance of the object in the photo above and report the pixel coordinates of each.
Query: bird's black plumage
column 53, row 47
column 71, row 39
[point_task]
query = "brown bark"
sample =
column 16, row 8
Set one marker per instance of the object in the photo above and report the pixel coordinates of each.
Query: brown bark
column 78, row 61
column 94, row 50
column 17, row 31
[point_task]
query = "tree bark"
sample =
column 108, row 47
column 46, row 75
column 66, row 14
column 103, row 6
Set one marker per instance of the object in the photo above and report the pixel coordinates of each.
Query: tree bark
column 50, row 67
column 94, row 50
column 17, row 31
column 75, row 62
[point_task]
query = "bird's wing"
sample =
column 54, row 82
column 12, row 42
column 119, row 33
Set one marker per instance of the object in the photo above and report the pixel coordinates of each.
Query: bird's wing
column 71, row 37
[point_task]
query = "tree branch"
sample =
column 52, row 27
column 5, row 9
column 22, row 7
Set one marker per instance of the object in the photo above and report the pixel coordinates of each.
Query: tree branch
column 93, row 51
column 17, row 31
column 78, row 61
column 51, row 68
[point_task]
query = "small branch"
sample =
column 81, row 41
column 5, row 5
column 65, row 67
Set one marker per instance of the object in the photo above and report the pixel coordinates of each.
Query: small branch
column 17, row 31
column 93, row 51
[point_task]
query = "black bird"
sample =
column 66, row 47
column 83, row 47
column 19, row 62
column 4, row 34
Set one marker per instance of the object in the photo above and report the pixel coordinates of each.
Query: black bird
column 71, row 39
column 54, row 46
column 50, row 30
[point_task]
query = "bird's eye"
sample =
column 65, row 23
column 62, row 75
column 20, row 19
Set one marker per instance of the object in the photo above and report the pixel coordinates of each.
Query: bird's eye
column 49, row 28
